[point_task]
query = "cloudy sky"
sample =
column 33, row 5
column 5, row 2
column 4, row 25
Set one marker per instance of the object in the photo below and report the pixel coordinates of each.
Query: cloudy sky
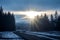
column 22, row 5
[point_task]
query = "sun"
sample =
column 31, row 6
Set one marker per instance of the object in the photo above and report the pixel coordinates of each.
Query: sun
column 31, row 14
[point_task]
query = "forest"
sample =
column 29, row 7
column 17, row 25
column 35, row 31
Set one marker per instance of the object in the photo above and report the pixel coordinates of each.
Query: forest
column 7, row 21
column 41, row 23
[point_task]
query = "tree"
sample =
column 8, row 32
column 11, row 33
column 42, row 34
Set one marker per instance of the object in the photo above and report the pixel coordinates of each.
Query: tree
column 52, row 23
column 1, row 10
column 43, row 23
column 46, row 23
column 56, row 15
column 52, row 19
column 7, row 21
column 58, row 24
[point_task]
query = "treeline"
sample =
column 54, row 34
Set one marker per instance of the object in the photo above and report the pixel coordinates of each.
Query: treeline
column 43, row 23
column 7, row 21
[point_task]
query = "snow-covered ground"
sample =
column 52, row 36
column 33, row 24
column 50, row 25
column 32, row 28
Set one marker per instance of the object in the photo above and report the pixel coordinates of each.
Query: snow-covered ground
column 10, row 35
column 53, row 35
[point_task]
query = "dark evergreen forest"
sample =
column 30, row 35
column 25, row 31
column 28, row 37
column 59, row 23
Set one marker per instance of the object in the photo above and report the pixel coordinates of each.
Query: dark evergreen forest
column 7, row 21
column 41, row 23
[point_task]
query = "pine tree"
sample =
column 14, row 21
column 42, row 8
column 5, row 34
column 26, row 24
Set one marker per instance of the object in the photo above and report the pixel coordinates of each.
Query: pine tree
column 52, row 23
column 46, row 23
column 7, row 21
column 52, row 19
column 1, row 10
column 56, row 15
column 58, row 24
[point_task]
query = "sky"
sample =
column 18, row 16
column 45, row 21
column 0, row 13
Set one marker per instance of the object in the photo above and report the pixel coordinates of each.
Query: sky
column 22, row 5
column 17, row 6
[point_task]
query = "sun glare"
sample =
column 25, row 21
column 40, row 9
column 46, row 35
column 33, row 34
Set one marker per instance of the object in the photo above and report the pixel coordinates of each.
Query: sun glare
column 31, row 14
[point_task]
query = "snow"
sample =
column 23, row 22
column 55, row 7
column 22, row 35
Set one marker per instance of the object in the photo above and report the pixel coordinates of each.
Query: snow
column 10, row 35
column 45, row 33
column 53, row 35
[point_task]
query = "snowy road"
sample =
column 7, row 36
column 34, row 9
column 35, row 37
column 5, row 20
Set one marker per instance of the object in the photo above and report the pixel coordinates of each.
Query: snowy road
column 28, row 35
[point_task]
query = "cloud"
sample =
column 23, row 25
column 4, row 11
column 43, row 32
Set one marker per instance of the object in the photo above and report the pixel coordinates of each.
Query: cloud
column 21, row 5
